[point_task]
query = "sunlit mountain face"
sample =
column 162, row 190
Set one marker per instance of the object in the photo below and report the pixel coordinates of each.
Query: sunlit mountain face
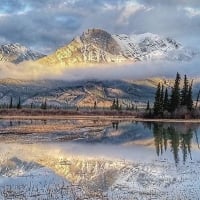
column 96, row 46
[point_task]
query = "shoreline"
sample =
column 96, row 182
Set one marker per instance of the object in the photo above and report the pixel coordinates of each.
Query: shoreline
column 94, row 117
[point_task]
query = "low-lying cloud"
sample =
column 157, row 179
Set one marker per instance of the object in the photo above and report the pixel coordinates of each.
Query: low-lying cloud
column 134, row 71
column 139, row 70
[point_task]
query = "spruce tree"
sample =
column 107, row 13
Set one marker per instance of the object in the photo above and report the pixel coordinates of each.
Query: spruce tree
column 19, row 104
column 184, row 92
column 175, row 96
column 157, row 100
column 166, row 101
column 44, row 105
column 117, row 104
column 162, row 99
column 189, row 98
column 11, row 103
column 113, row 105
column 95, row 105
column 148, row 106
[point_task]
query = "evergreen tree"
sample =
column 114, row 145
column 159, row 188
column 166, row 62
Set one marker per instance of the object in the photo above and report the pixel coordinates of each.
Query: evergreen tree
column 175, row 96
column 44, row 105
column 162, row 100
column 95, row 105
column 11, row 103
column 19, row 103
column 148, row 106
column 157, row 102
column 113, row 105
column 189, row 98
column 184, row 92
column 117, row 104
column 166, row 101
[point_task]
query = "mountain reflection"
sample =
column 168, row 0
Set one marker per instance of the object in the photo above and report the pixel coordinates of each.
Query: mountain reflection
column 174, row 137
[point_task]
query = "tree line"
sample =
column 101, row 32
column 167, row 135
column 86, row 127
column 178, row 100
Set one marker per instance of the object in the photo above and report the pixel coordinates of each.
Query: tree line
column 116, row 105
column 18, row 105
column 179, row 101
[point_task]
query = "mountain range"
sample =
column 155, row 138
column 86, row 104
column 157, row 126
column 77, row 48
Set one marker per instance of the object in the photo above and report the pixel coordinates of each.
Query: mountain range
column 94, row 46
column 97, row 46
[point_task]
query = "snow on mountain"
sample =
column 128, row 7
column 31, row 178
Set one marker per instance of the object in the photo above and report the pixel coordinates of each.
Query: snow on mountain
column 17, row 53
column 96, row 46
column 148, row 46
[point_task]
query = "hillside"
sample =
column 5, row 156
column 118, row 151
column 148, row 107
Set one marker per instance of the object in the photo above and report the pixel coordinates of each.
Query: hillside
column 82, row 93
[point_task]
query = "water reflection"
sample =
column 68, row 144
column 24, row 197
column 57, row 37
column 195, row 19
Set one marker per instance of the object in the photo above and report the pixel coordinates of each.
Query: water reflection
column 177, row 140
column 115, row 125
column 175, row 137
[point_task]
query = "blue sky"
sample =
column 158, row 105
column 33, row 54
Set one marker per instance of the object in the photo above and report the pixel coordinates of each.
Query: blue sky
column 44, row 25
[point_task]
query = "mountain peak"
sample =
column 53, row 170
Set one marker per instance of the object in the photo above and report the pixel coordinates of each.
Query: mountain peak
column 97, row 46
column 100, row 39
column 16, row 53
column 13, row 47
column 94, row 30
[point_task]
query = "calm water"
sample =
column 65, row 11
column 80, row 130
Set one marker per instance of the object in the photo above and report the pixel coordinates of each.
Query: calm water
column 177, row 142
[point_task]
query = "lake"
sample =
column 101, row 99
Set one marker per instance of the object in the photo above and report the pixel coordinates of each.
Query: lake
column 99, row 159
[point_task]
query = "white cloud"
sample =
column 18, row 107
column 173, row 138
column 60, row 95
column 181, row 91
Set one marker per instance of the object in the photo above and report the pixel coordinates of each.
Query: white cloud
column 46, row 25
column 3, row 15
column 192, row 12
column 130, row 9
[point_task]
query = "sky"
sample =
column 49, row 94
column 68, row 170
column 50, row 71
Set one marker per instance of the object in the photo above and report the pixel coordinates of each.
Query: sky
column 45, row 25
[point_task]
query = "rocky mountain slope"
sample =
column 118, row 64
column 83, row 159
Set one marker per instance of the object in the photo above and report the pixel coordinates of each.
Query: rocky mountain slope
column 96, row 46
column 17, row 53
column 72, row 94
column 82, row 93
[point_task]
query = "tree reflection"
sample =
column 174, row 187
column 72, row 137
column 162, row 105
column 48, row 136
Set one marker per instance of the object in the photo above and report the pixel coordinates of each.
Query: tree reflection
column 115, row 125
column 176, row 138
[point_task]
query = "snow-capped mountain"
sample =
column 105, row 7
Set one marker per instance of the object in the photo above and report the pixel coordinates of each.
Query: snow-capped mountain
column 17, row 53
column 150, row 46
column 96, row 46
